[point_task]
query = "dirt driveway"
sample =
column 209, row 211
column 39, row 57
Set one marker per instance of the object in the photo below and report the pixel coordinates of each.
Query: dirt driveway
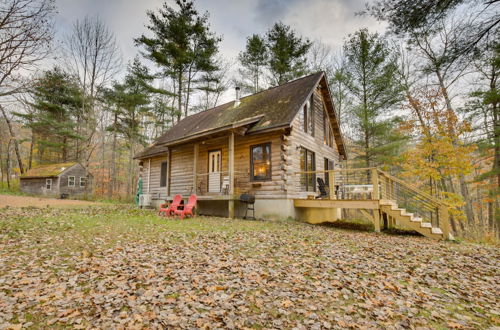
column 26, row 201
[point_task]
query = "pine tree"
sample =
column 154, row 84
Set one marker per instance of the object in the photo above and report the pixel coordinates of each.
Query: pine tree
column 182, row 46
column 253, row 60
column 56, row 106
column 287, row 53
column 371, row 68
column 131, row 100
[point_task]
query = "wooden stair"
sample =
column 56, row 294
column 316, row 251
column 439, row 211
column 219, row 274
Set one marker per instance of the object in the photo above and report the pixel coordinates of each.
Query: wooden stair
column 406, row 220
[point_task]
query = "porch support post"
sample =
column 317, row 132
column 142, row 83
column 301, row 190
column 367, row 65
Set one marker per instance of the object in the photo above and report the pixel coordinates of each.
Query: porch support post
column 149, row 174
column 376, row 196
column 331, row 184
column 195, row 166
column 376, row 220
column 231, row 175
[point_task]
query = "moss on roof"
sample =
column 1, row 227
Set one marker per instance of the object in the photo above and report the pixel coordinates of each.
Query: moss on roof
column 272, row 108
column 277, row 105
column 46, row 171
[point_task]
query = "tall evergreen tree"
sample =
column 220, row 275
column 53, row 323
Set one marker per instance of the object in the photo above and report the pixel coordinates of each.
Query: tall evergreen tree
column 182, row 45
column 253, row 60
column 56, row 104
column 371, row 67
column 287, row 53
column 131, row 101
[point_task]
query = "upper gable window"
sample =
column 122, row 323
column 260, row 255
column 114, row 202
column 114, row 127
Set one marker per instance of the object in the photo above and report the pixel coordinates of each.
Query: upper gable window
column 307, row 116
column 327, row 130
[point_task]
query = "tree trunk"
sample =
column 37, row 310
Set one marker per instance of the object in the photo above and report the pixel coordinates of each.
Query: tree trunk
column 112, row 179
column 13, row 137
column 30, row 159
column 65, row 149
column 7, row 164
column 179, row 96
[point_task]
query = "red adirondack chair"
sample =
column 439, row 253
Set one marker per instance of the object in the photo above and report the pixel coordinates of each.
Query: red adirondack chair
column 172, row 207
column 188, row 208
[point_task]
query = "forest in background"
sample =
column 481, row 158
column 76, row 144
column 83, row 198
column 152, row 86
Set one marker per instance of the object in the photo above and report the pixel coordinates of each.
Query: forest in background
column 420, row 101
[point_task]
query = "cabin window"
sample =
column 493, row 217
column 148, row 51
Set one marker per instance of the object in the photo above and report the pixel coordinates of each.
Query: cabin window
column 83, row 181
column 307, row 116
column 71, row 181
column 163, row 174
column 329, row 165
column 260, row 162
column 327, row 130
column 48, row 184
column 307, row 164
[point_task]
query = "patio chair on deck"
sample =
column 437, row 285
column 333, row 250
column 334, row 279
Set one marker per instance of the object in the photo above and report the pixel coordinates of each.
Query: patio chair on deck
column 322, row 189
column 172, row 207
column 188, row 208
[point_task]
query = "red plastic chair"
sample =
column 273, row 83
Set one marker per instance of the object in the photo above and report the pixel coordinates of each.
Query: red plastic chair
column 188, row 208
column 172, row 207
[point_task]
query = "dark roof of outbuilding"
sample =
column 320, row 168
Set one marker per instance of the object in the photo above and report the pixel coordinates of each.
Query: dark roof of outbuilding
column 47, row 171
column 272, row 108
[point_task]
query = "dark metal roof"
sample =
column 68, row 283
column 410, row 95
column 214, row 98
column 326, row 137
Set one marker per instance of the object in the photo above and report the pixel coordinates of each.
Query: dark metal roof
column 272, row 108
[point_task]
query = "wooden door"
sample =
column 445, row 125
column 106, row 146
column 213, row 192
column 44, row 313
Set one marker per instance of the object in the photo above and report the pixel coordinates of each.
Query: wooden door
column 214, row 170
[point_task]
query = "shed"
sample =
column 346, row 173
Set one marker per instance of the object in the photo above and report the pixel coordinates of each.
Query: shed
column 57, row 180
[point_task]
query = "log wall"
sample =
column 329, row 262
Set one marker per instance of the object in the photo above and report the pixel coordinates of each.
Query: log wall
column 298, row 138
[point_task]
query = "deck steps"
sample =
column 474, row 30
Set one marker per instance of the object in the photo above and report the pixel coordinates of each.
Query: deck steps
column 409, row 220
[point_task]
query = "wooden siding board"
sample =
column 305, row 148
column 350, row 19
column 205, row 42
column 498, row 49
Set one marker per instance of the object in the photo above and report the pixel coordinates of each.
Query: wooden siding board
column 78, row 171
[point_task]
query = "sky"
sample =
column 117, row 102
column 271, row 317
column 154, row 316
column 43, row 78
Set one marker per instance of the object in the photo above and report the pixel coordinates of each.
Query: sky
column 327, row 20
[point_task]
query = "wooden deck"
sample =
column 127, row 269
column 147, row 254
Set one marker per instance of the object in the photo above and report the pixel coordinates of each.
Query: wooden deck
column 337, row 203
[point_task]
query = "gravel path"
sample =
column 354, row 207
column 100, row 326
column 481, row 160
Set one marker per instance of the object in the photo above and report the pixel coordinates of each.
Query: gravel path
column 27, row 201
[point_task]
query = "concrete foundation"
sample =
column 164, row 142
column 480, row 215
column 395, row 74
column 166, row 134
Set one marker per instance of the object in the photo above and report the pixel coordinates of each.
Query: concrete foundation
column 267, row 209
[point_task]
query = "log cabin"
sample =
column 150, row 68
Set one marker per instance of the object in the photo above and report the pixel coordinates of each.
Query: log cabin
column 275, row 145
column 249, row 145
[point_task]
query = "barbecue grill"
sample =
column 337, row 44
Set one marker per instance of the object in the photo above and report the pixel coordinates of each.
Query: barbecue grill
column 249, row 201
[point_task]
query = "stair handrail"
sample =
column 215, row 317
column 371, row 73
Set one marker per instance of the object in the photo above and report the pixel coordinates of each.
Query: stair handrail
column 413, row 188
column 443, row 207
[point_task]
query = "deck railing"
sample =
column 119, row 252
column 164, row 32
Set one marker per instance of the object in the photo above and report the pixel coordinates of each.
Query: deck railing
column 372, row 183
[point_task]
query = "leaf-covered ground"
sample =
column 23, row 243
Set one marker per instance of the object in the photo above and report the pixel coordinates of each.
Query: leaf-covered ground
column 109, row 268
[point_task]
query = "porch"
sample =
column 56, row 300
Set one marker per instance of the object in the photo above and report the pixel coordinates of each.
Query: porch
column 216, row 168
column 388, row 202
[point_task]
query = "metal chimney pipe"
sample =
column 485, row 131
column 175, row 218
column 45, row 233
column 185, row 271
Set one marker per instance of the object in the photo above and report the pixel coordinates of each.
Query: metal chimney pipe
column 237, row 100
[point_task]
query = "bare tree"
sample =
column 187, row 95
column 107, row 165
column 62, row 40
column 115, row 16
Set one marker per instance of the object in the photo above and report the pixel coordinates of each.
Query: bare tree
column 93, row 56
column 25, row 37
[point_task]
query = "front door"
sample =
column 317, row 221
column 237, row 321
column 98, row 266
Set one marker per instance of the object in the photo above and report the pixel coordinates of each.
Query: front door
column 214, row 169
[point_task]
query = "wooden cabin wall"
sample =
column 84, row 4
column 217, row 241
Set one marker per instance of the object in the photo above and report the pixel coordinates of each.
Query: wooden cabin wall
column 37, row 186
column 273, row 188
column 181, row 170
column 78, row 171
column 298, row 138
column 154, row 188
column 182, row 161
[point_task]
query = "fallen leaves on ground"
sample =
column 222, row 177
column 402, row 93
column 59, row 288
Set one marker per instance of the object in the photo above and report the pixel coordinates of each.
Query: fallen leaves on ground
column 116, row 268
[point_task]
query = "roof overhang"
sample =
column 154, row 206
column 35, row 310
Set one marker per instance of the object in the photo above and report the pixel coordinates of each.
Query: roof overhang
column 239, row 127
column 337, row 131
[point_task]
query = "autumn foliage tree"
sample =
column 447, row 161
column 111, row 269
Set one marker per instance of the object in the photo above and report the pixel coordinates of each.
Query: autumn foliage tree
column 439, row 155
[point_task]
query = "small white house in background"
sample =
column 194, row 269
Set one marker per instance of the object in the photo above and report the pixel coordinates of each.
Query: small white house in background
column 57, row 180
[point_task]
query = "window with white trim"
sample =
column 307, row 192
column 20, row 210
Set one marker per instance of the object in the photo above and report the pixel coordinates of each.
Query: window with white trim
column 83, row 181
column 48, row 184
column 71, row 181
